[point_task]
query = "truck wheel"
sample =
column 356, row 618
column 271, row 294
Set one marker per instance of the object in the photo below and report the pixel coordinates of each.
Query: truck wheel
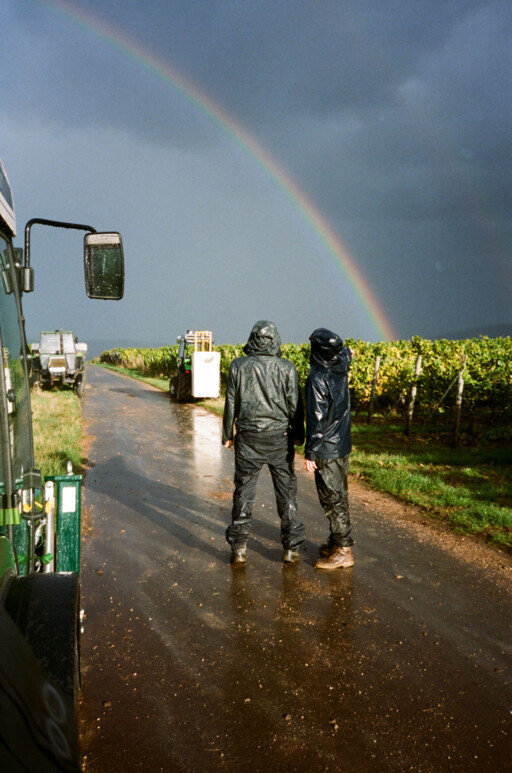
column 79, row 386
column 45, row 607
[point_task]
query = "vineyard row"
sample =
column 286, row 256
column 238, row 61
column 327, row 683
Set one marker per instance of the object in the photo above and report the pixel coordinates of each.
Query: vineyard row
column 385, row 373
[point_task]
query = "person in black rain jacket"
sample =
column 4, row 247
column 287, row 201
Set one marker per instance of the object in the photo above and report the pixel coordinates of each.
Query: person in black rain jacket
column 263, row 402
column 328, row 441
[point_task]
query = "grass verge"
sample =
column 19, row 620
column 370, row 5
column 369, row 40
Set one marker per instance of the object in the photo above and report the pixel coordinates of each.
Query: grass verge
column 468, row 487
column 57, row 431
column 159, row 383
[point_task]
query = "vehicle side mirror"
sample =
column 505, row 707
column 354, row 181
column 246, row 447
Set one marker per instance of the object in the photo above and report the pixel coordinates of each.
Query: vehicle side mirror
column 104, row 266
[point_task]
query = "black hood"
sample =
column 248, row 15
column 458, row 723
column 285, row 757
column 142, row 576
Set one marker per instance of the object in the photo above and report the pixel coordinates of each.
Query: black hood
column 325, row 346
column 264, row 339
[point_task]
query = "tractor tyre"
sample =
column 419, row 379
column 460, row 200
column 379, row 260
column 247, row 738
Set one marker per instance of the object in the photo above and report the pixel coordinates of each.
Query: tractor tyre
column 183, row 389
column 45, row 607
column 79, row 386
column 173, row 388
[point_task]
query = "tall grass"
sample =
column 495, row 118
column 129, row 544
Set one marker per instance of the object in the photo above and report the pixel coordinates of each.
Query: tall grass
column 57, row 431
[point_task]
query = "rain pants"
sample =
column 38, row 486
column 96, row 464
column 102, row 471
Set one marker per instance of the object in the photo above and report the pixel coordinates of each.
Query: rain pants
column 263, row 402
column 328, row 434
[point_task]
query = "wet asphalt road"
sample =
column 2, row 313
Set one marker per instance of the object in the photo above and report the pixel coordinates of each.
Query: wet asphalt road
column 402, row 663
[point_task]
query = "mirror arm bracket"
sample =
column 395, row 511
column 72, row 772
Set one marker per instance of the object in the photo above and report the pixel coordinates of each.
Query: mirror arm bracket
column 53, row 224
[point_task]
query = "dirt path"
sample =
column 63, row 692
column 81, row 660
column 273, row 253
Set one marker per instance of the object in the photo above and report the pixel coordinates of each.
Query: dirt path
column 401, row 663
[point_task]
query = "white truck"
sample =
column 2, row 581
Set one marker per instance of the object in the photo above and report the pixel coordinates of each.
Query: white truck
column 58, row 358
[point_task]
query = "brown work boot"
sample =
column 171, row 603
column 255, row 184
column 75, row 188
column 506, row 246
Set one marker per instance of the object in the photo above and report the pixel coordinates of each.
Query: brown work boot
column 340, row 558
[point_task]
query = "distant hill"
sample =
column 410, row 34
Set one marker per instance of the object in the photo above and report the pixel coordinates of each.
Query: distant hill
column 490, row 331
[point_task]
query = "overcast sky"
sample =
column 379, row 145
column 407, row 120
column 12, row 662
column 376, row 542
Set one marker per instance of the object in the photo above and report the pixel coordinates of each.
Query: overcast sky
column 391, row 118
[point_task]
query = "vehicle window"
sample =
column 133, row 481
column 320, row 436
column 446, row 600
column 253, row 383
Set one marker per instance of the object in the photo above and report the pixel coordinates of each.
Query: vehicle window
column 12, row 369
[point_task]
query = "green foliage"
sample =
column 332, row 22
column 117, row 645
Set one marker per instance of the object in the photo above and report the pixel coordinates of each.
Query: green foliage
column 228, row 352
column 152, row 362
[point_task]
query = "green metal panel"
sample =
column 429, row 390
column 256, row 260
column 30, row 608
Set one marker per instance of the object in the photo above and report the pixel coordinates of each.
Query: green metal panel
column 7, row 562
column 20, row 544
column 68, row 489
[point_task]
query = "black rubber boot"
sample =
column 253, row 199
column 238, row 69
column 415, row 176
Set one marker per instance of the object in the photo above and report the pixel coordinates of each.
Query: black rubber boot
column 238, row 554
column 291, row 556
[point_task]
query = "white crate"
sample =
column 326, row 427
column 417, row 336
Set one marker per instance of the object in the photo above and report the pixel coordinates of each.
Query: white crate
column 205, row 374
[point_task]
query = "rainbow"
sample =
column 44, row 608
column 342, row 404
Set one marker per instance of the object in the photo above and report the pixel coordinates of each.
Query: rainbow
column 228, row 125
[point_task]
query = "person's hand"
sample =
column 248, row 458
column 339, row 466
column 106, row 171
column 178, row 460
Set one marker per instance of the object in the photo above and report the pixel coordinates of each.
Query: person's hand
column 228, row 444
column 351, row 351
column 310, row 466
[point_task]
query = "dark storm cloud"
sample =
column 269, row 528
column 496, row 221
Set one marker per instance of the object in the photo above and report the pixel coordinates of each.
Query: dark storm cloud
column 442, row 125
column 68, row 80
column 272, row 64
column 263, row 61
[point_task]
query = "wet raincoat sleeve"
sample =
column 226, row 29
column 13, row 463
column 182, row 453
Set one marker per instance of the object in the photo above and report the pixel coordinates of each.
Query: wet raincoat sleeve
column 317, row 406
column 297, row 421
column 230, row 407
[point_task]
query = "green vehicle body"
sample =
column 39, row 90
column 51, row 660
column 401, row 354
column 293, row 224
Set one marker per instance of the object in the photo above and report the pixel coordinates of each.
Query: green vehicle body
column 39, row 536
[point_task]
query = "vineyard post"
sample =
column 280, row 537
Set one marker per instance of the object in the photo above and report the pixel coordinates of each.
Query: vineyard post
column 412, row 399
column 374, row 386
column 458, row 400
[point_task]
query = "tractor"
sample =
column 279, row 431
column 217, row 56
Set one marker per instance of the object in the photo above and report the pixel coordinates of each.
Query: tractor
column 198, row 373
